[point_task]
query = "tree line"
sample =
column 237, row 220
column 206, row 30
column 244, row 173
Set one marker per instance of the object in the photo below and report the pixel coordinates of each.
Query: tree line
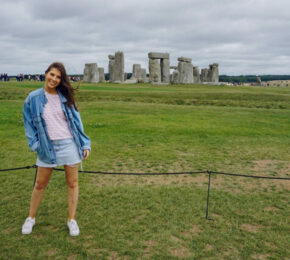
column 252, row 78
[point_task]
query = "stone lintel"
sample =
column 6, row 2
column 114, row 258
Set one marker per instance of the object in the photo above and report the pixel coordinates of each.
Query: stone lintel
column 158, row 55
column 111, row 57
column 184, row 59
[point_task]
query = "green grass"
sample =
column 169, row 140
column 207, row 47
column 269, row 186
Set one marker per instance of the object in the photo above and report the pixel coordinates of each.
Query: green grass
column 144, row 128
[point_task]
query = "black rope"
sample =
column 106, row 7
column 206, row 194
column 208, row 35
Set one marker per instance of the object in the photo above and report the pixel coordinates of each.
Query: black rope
column 159, row 173
column 137, row 173
column 252, row 176
column 20, row 168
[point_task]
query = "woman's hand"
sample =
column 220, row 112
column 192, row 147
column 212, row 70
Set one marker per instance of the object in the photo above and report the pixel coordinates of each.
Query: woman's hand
column 86, row 154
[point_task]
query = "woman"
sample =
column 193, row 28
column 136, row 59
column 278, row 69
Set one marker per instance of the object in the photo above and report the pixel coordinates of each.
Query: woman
column 54, row 129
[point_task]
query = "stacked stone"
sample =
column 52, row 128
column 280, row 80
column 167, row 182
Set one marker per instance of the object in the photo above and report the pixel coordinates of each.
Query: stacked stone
column 111, row 67
column 138, row 73
column 116, row 67
column 101, row 75
column 185, row 69
column 196, row 76
column 213, row 73
column 91, row 73
column 204, row 75
column 119, row 67
column 159, row 72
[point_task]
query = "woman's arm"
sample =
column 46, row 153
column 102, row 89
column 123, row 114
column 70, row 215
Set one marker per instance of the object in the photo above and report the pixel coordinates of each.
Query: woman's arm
column 30, row 130
column 84, row 139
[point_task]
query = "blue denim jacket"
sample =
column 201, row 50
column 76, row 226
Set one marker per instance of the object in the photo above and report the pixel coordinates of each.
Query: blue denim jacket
column 35, row 127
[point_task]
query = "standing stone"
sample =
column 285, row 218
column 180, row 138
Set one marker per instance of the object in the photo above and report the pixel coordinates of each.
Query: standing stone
column 101, row 75
column 143, row 75
column 185, row 69
column 175, row 77
column 159, row 72
column 119, row 67
column 154, row 71
column 91, row 73
column 213, row 73
column 111, row 67
column 203, row 75
column 165, row 70
column 196, row 77
column 136, row 73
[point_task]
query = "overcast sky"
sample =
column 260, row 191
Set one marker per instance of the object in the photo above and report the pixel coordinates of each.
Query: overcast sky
column 243, row 36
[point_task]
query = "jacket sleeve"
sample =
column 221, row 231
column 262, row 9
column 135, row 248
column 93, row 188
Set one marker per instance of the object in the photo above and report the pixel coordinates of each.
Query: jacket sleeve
column 84, row 139
column 30, row 130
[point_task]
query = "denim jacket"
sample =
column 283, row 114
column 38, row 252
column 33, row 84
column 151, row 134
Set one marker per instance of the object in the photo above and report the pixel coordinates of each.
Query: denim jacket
column 35, row 127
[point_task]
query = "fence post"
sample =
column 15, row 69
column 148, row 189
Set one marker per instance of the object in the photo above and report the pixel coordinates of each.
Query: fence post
column 208, row 192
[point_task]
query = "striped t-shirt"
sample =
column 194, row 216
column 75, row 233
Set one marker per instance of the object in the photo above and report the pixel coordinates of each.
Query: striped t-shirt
column 56, row 123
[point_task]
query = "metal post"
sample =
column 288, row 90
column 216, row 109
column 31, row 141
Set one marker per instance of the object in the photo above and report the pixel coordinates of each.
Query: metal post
column 208, row 191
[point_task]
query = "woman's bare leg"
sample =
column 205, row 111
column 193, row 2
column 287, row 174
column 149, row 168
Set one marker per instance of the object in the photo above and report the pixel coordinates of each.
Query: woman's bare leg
column 43, row 176
column 71, row 174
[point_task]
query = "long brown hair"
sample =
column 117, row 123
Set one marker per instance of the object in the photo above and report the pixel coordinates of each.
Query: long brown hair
column 64, row 87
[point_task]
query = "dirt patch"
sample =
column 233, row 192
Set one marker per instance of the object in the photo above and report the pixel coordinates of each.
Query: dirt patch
column 208, row 247
column 113, row 256
column 191, row 232
column 149, row 244
column 260, row 256
column 96, row 251
column 180, row 252
column 249, row 228
column 51, row 252
column 271, row 208
column 72, row 257
column 176, row 239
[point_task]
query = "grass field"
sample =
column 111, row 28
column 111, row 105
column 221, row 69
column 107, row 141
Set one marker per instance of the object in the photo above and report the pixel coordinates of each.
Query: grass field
column 144, row 128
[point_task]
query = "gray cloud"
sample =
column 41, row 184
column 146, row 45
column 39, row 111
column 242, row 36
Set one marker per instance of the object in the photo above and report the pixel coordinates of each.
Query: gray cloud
column 244, row 37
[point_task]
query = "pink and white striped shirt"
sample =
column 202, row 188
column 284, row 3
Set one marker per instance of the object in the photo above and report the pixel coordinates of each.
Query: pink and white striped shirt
column 56, row 123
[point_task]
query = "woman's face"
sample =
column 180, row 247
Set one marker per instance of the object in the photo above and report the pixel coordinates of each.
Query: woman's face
column 52, row 79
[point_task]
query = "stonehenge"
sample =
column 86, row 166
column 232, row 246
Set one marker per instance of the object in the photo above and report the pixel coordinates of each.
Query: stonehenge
column 138, row 73
column 203, row 75
column 185, row 69
column 185, row 72
column 101, row 75
column 159, row 71
column 196, row 75
column 213, row 73
column 91, row 73
column 116, row 67
column 159, row 67
column 210, row 75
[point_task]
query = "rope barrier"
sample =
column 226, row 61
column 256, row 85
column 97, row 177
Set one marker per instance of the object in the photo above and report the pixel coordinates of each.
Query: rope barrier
column 20, row 168
column 163, row 173
column 159, row 173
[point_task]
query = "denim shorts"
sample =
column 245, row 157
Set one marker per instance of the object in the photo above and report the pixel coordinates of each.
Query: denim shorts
column 66, row 152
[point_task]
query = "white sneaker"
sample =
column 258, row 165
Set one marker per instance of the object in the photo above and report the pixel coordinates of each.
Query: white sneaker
column 73, row 228
column 28, row 225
